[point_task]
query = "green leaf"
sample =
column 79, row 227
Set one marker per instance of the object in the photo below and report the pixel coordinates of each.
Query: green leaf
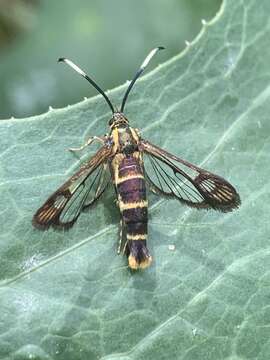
column 69, row 296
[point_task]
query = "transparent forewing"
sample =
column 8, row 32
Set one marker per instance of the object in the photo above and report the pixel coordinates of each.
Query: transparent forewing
column 172, row 176
column 167, row 182
column 85, row 195
column 64, row 206
column 98, row 186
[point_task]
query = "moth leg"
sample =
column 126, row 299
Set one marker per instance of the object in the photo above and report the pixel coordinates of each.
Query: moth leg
column 89, row 142
column 124, row 247
column 122, row 238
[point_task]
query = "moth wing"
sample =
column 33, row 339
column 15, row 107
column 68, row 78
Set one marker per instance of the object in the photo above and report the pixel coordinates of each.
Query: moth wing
column 174, row 177
column 82, row 190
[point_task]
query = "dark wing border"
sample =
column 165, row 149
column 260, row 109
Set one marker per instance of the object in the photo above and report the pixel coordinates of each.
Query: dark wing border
column 203, row 190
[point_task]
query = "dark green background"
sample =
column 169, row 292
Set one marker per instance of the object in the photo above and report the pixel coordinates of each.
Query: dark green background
column 108, row 39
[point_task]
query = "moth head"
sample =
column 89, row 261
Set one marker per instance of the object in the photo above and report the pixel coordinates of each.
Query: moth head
column 118, row 120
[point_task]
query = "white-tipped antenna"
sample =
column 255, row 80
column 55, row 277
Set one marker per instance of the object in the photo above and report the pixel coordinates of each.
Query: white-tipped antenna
column 92, row 82
column 139, row 72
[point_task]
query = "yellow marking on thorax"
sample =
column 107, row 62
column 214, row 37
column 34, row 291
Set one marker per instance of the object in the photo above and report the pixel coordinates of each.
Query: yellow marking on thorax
column 132, row 205
column 115, row 136
column 134, row 134
column 137, row 155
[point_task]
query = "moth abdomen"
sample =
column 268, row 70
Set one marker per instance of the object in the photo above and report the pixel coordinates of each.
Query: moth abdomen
column 133, row 206
column 138, row 254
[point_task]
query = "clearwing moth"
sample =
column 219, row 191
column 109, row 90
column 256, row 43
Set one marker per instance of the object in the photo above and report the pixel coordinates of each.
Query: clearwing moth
column 131, row 163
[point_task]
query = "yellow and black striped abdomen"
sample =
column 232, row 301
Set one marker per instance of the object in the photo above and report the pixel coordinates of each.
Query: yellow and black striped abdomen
column 131, row 189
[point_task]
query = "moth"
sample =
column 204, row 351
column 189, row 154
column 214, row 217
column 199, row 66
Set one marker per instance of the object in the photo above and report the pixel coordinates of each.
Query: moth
column 131, row 163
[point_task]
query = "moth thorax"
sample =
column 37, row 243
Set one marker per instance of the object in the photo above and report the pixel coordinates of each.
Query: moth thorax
column 126, row 140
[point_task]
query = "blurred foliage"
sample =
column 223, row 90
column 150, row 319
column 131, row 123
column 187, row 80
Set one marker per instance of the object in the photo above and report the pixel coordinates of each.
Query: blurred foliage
column 108, row 39
column 16, row 17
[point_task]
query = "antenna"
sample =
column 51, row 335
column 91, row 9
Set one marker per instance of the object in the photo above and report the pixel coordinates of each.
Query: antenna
column 92, row 82
column 139, row 72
